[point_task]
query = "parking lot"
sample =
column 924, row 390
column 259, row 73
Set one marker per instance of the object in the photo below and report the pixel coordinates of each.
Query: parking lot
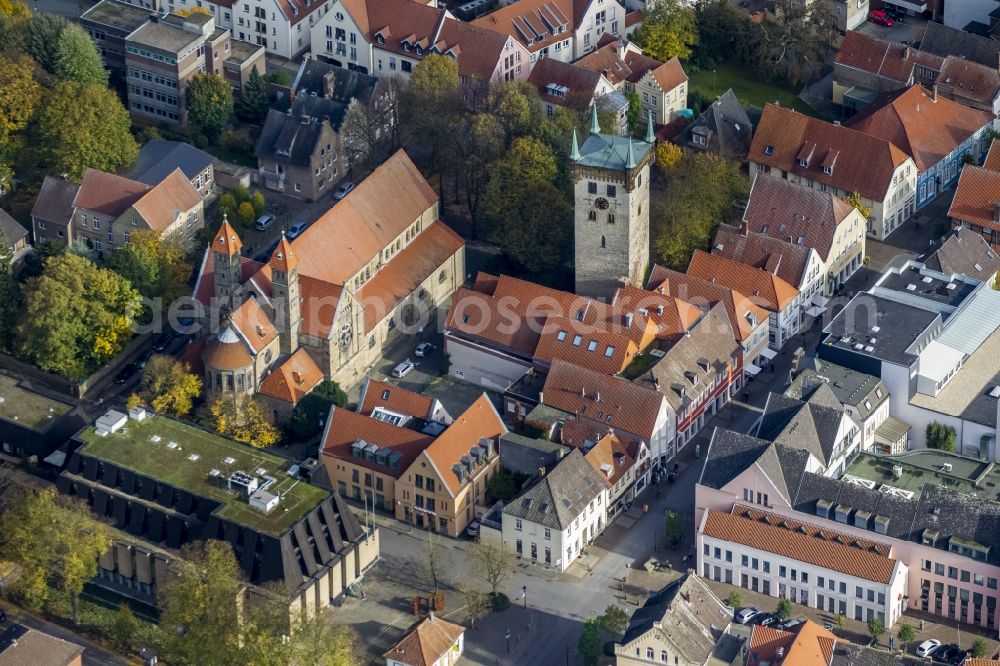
column 910, row 30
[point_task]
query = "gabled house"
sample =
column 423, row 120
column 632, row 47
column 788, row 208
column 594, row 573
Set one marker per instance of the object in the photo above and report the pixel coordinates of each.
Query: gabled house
column 427, row 473
column 300, row 150
column 625, row 466
column 660, row 86
column 945, row 41
column 562, row 29
column 13, row 236
column 814, row 219
column 724, row 128
column 840, row 160
column 763, row 288
column 912, row 121
column 681, row 624
column 976, row 205
column 391, row 404
column 430, row 641
column 749, row 322
column 158, row 158
column 105, row 210
column 964, row 252
column 389, row 37
column 569, row 86
column 552, row 522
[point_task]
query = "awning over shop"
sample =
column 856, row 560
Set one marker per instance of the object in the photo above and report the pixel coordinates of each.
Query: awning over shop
column 891, row 431
column 768, row 353
column 752, row 369
column 815, row 311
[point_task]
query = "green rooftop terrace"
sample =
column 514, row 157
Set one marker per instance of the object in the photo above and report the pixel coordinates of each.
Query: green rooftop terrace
column 966, row 475
column 28, row 408
column 145, row 447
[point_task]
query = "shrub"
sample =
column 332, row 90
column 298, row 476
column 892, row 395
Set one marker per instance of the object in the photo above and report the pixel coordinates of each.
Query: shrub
column 500, row 602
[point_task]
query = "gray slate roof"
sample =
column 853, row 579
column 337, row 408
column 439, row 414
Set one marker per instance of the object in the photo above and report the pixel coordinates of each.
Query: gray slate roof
column 849, row 386
column 810, row 424
column 944, row 41
column 561, row 495
column 726, row 127
column 689, row 614
column 10, row 228
column 55, row 200
column 965, row 252
column 159, row 158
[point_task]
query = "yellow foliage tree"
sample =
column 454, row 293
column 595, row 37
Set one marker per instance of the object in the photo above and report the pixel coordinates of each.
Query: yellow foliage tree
column 169, row 387
column 133, row 401
column 19, row 94
column 193, row 10
column 245, row 421
column 14, row 9
column 854, row 199
column 668, row 155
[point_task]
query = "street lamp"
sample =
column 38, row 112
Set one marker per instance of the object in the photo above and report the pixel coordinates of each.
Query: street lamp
column 508, row 640
column 524, row 595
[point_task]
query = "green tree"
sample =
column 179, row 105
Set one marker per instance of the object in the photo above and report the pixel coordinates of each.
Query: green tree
column 54, row 541
column 77, row 58
column 20, row 94
column 720, row 26
column 701, row 192
column 199, row 605
column 513, row 105
column 245, row 421
column 76, row 316
column 668, row 30
column 138, row 263
column 876, row 627
column 42, row 38
column 792, row 43
column 11, row 298
column 280, row 77
column 80, row 126
column 673, row 532
column 906, row 633
column 979, row 649
column 494, row 563
column 168, row 386
column 734, row 600
column 940, row 436
column 433, row 84
column 255, row 99
column 124, row 629
column 614, row 620
column 258, row 202
column 589, row 645
column 245, row 213
column 502, row 486
column 310, row 413
column 784, row 609
column 209, row 103
column 479, row 141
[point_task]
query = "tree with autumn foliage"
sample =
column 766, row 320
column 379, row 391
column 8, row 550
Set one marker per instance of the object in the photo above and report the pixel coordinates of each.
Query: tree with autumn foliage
column 168, row 386
column 156, row 265
column 855, row 201
column 668, row 31
column 77, row 316
column 20, row 93
column 245, row 420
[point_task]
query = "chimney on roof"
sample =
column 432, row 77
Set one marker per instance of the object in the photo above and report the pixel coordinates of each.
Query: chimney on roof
column 328, row 84
column 597, row 397
column 296, row 376
column 934, row 89
column 996, row 212
column 906, row 52
column 541, row 472
column 621, row 48
column 260, row 330
column 583, row 392
column 628, row 320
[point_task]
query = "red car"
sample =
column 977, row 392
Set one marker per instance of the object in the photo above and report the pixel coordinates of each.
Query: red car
column 879, row 17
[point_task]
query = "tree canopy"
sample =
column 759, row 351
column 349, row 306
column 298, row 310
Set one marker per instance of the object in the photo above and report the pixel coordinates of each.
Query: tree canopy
column 42, row 39
column 310, row 413
column 940, row 436
column 168, row 386
column 77, row 316
column 82, row 126
column 255, row 99
column 20, row 93
column 668, row 30
column 244, row 420
column 209, row 103
column 77, row 58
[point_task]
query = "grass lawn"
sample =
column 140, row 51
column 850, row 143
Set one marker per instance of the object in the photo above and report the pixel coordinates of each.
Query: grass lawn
column 185, row 457
column 748, row 88
column 26, row 407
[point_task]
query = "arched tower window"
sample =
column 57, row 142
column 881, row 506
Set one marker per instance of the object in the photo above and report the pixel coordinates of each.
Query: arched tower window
column 604, row 242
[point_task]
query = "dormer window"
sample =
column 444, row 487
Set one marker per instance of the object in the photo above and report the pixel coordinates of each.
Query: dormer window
column 803, row 163
column 379, row 38
column 419, row 50
column 828, row 170
column 769, row 150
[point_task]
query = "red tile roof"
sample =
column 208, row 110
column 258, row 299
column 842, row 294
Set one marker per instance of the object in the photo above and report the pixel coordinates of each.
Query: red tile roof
column 163, row 204
column 762, row 287
column 969, row 80
column 992, row 161
column 925, row 126
column 861, row 163
column 226, row 239
column 610, row 457
column 671, row 315
column 976, row 197
column 293, row 378
column 823, row 548
column 788, row 261
column 380, row 394
column 204, row 287
column 580, row 82
column 615, row 402
column 807, row 645
column 253, row 324
column 107, row 193
column 576, row 434
column 890, row 60
column 524, row 18
column 345, row 427
column 479, row 421
column 283, row 258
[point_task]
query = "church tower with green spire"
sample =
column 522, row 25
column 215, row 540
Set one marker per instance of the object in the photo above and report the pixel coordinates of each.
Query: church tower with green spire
column 611, row 196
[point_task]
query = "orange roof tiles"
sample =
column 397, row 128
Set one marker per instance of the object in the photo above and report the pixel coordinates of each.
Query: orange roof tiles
column 977, row 197
column 226, row 239
column 805, row 543
column 605, row 347
column 807, row 645
column 576, row 434
column 283, row 258
column 479, row 316
column 789, row 261
column 993, row 157
column 610, row 457
column 227, row 352
column 669, row 75
column 861, row 163
column 356, row 229
column 407, row 270
column 162, row 205
column 345, row 427
column 969, row 80
column 613, row 401
column 426, row 642
column 890, row 60
column 380, row 394
column 763, row 288
column 522, row 19
column 107, row 193
column 925, row 126
column 293, row 378
column 672, row 316
column 253, row 324
column 479, row 421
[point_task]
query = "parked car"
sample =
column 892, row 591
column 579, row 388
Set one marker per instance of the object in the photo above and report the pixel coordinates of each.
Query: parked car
column 764, row 619
column 879, row 17
column 423, row 349
column 790, row 624
column 344, row 189
column 294, row 231
column 402, row 369
column 950, row 654
column 744, row 615
column 473, row 529
column 264, row 222
column 928, row 647
column 127, row 373
column 163, row 341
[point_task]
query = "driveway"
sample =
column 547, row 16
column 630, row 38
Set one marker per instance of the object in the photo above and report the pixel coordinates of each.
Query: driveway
column 909, row 31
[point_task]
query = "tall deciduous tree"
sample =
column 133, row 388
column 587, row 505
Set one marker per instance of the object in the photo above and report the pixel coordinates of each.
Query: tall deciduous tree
column 436, row 562
column 793, row 42
column 668, row 30
column 76, row 316
column 80, row 126
column 209, row 103
column 11, row 298
column 14, row 9
column 310, row 413
column 672, row 530
column 478, row 141
column 614, row 620
column 589, row 645
column 494, row 563
column 55, row 541
column 255, row 98
column 20, row 93
column 42, row 39
column 156, row 265
column 433, row 85
column 784, row 609
column 77, row 58
column 244, row 420
column 168, row 386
